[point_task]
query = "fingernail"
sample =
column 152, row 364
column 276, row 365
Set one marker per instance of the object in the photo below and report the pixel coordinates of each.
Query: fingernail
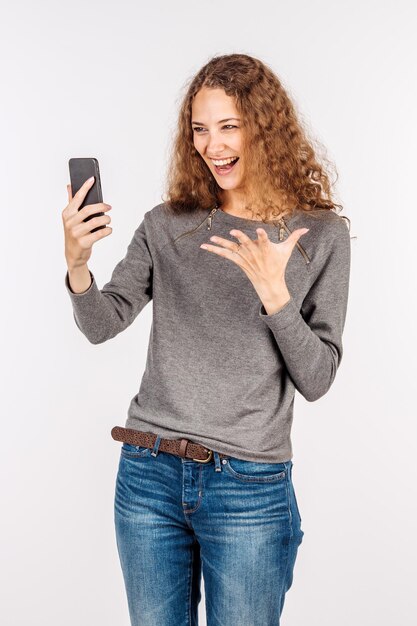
column 90, row 179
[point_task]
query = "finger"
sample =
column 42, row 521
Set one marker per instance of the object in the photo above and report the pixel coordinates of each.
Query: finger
column 262, row 235
column 226, row 243
column 295, row 235
column 240, row 236
column 69, row 192
column 77, row 199
column 227, row 253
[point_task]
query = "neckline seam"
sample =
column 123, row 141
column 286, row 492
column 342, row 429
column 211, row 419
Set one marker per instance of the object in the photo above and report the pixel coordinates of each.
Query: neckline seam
column 243, row 219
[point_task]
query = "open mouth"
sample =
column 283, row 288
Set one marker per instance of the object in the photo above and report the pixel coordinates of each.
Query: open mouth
column 225, row 169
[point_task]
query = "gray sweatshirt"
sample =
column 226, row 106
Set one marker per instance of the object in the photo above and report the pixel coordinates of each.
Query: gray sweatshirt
column 219, row 370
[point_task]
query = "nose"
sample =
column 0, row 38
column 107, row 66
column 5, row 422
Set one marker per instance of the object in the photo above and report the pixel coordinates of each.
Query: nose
column 215, row 145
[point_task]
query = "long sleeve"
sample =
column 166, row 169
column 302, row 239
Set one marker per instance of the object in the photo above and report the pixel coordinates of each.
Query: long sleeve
column 310, row 339
column 102, row 314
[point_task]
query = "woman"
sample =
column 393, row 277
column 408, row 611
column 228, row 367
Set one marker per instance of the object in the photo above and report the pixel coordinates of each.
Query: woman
column 244, row 314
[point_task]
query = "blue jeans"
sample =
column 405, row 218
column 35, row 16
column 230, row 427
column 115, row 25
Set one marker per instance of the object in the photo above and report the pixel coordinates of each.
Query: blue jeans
column 236, row 522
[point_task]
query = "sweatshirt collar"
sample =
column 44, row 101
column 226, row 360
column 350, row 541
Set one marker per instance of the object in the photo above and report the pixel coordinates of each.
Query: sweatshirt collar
column 237, row 222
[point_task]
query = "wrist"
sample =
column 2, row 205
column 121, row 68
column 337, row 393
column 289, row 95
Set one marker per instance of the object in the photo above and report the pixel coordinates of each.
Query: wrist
column 275, row 299
column 74, row 268
column 79, row 279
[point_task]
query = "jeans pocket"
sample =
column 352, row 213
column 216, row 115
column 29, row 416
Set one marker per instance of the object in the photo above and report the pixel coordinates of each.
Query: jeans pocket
column 134, row 452
column 251, row 471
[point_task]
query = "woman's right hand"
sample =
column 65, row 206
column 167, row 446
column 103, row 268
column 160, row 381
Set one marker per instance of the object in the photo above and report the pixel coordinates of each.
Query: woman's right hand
column 78, row 238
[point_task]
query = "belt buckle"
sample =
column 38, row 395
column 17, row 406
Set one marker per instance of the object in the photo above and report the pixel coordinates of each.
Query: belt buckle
column 205, row 460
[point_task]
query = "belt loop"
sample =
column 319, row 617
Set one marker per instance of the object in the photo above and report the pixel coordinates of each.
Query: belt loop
column 156, row 446
column 217, row 465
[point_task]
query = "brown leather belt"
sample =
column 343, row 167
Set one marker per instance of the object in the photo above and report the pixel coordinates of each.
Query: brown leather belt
column 184, row 448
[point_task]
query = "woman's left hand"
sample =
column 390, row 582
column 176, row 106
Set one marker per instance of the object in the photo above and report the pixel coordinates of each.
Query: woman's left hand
column 263, row 261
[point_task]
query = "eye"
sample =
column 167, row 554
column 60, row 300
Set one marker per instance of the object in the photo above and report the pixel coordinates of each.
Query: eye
column 198, row 128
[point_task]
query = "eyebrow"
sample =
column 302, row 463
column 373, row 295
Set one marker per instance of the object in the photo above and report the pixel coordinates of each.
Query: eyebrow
column 220, row 122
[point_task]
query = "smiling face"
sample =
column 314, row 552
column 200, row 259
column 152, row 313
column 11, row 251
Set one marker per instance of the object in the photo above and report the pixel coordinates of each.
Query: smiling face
column 217, row 135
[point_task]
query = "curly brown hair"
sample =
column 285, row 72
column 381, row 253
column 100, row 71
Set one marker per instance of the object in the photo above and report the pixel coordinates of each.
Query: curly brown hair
column 280, row 158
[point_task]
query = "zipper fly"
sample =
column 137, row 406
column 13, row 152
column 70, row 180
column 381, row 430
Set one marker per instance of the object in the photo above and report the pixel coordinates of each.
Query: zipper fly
column 283, row 227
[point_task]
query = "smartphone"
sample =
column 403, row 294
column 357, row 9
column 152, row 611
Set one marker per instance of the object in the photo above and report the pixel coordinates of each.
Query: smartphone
column 81, row 169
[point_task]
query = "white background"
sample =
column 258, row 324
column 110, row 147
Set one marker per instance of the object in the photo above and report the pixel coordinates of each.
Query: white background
column 105, row 79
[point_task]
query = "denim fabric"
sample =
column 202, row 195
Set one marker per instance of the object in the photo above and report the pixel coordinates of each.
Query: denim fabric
column 235, row 522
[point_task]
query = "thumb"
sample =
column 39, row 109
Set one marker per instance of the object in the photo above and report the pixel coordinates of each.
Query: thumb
column 296, row 234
